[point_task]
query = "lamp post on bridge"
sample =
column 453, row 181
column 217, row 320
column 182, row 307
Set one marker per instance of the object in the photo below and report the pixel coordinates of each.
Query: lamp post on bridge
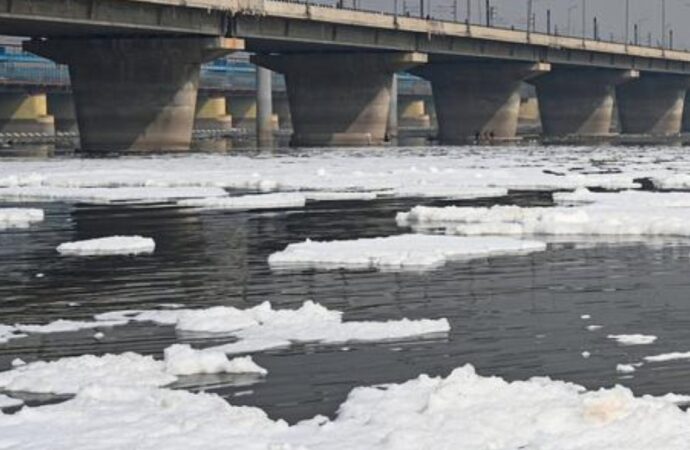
column 627, row 23
column 584, row 21
column 663, row 23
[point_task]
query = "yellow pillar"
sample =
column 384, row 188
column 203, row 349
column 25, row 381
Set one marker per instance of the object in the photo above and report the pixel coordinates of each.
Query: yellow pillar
column 529, row 111
column 211, row 113
column 282, row 108
column 413, row 113
column 243, row 110
column 25, row 113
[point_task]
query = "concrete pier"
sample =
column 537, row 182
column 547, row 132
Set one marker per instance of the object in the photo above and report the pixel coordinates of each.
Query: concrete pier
column 578, row 101
column 412, row 113
column 61, row 107
column 134, row 94
column 392, row 125
column 264, row 107
column 652, row 104
column 477, row 100
column 281, row 107
column 25, row 113
column 211, row 113
column 339, row 99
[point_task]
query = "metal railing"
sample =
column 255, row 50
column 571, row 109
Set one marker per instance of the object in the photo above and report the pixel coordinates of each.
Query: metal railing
column 461, row 12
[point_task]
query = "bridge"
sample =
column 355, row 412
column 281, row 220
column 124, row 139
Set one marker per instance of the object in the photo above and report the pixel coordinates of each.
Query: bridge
column 36, row 98
column 135, row 64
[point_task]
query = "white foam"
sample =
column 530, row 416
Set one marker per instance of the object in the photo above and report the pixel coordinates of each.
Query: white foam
column 625, row 368
column 112, row 245
column 72, row 374
column 19, row 217
column 62, row 326
column 633, row 339
column 667, row 357
column 597, row 219
column 262, row 327
column 462, row 411
column 8, row 332
column 9, row 402
column 339, row 196
column 249, row 202
column 108, row 195
column 456, row 173
column 402, row 252
column 184, row 360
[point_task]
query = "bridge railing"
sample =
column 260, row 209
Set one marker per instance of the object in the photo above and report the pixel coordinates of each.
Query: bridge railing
column 455, row 11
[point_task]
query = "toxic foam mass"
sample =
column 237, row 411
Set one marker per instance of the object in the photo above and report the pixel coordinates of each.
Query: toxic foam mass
column 112, row 245
column 403, row 252
column 463, row 411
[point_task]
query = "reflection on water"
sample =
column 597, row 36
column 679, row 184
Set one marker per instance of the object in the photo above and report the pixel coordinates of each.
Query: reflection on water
column 516, row 316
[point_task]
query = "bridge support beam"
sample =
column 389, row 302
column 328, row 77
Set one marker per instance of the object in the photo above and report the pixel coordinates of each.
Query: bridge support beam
column 578, row 101
column 339, row 99
column 25, row 113
column 477, row 100
column 652, row 105
column 134, row 94
column 264, row 107
column 211, row 113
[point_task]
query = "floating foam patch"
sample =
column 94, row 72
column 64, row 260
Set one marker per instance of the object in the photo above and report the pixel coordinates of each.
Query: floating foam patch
column 403, row 252
column 112, row 245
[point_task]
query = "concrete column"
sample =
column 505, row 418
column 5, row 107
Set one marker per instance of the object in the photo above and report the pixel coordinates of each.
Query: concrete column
column 392, row 126
column 652, row 105
column 61, row 107
column 339, row 99
column 211, row 113
column 243, row 111
column 685, row 127
column 578, row 101
column 412, row 112
column 264, row 106
column 134, row 94
column 477, row 100
column 282, row 110
column 25, row 113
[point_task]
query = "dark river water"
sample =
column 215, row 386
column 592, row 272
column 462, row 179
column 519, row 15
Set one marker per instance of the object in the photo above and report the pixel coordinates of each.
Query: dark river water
column 513, row 316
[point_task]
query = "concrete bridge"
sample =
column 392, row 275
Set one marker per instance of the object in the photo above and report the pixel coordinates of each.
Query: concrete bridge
column 134, row 66
column 36, row 97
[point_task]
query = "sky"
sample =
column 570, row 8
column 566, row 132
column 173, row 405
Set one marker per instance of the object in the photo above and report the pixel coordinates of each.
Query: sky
column 610, row 15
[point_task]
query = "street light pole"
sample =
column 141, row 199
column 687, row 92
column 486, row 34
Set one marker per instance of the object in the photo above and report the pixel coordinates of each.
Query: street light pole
column 529, row 16
column 627, row 23
column 584, row 20
column 663, row 23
